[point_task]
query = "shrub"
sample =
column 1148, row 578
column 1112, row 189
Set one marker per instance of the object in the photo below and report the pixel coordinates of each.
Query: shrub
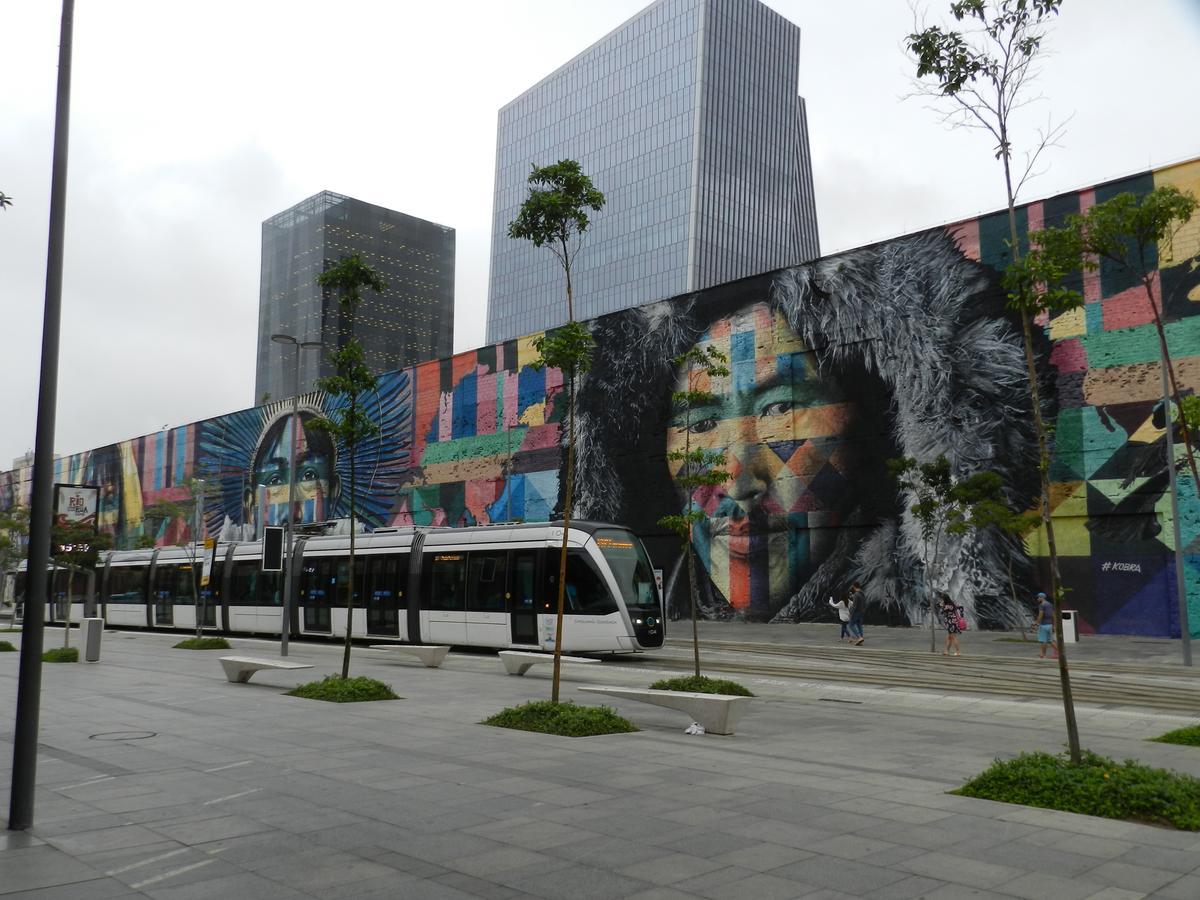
column 1097, row 787
column 6, row 647
column 565, row 719
column 336, row 689
column 204, row 643
column 702, row 685
column 1189, row 736
column 61, row 654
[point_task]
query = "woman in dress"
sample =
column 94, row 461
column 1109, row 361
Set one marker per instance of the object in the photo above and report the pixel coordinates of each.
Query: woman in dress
column 953, row 619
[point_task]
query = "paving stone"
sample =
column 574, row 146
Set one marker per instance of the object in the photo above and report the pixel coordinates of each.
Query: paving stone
column 670, row 868
column 906, row 889
column 26, row 868
column 960, row 870
column 843, row 875
column 1039, row 885
column 1186, row 887
column 95, row 889
column 1131, row 877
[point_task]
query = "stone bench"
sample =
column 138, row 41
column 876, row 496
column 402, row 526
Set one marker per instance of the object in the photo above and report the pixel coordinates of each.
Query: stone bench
column 238, row 669
column 718, row 713
column 518, row 662
column 431, row 655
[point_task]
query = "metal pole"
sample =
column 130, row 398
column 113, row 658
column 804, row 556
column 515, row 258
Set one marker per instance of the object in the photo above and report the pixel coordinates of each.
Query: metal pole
column 1180, row 578
column 197, row 560
column 290, row 534
column 29, row 684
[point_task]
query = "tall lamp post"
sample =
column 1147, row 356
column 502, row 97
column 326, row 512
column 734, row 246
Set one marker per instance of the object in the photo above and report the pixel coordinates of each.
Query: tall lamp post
column 291, row 507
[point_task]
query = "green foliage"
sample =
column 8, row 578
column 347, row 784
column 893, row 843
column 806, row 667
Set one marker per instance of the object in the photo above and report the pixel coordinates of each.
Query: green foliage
column 61, row 655
column 564, row 719
column 955, row 61
column 1097, row 786
column 5, row 200
column 568, row 349
column 203, row 643
column 6, row 647
column 348, row 423
column 1126, row 230
column 78, row 545
column 14, row 534
column 1189, row 736
column 1035, row 281
column 1191, row 411
column 347, row 277
column 335, row 689
column 948, row 505
column 702, row 684
column 556, row 208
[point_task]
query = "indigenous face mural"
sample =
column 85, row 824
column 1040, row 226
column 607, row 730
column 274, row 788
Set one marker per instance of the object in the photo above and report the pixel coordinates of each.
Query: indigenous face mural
column 901, row 348
column 780, row 423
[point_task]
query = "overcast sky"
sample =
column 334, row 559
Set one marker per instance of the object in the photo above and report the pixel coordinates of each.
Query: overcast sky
column 191, row 123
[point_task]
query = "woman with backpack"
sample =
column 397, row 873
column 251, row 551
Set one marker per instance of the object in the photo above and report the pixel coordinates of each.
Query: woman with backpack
column 954, row 618
column 843, row 611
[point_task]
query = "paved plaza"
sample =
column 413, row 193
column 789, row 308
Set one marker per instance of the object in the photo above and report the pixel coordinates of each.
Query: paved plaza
column 158, row 778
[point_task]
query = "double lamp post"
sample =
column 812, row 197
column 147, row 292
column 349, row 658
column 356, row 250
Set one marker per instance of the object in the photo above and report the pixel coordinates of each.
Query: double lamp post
column 290, row 535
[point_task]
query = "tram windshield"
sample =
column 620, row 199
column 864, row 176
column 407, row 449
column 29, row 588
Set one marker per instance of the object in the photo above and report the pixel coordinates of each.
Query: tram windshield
column 631, row 567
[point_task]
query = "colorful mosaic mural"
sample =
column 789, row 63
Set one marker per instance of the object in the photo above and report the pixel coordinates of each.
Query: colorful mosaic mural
column 902, row 348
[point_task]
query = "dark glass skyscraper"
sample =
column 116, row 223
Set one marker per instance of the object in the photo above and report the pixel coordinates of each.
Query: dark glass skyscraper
column 412, row 321
column 687, row 118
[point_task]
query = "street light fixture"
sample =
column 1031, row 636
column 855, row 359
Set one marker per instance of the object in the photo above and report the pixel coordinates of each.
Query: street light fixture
column 291, row 507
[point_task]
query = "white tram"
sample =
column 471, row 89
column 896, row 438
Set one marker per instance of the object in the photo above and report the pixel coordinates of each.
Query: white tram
column 485, row 586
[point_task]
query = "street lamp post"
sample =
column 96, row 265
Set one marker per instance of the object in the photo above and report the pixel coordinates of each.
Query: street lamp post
column 291, row 507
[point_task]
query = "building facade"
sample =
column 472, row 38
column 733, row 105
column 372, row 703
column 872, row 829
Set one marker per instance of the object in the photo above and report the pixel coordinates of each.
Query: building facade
column 687, row 118
column 410, row 322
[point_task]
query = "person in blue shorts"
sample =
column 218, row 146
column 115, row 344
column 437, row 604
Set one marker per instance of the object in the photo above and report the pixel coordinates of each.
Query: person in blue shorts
column 1044, row 624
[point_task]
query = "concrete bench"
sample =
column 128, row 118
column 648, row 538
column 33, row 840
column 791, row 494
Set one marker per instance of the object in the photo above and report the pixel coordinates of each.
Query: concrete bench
column 718, row 713
column 238, row 669
column 431, row 655
column 518, row 662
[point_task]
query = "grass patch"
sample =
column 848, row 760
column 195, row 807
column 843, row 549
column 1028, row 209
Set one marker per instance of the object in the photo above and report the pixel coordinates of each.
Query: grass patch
column 203, row 643
column 1189, row 736
column 61, row 654
column 702, row 685
column 6, row 647
column 565, row 719
column 336, row 689
column 1097, row 787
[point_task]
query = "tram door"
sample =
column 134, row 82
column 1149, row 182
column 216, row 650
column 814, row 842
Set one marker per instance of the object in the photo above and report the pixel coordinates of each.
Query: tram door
column 387, row 577
column 445, row 598
column 522, row 603
column 487, row 591
column 318, row 582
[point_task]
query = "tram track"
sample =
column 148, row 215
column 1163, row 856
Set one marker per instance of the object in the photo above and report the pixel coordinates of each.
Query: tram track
column 1146, row 686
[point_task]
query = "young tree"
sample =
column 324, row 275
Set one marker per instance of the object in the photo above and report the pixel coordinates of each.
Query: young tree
column 1130, row 233
column 944, row 505
column 697, row 468
column 348, row 423
column 76, row 547
column 554, row 214
column 985, row 70
column 5, row 200
column 14, row 535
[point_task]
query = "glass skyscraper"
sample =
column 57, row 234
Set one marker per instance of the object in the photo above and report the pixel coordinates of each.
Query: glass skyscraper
column 687, row 118
column 410, row 322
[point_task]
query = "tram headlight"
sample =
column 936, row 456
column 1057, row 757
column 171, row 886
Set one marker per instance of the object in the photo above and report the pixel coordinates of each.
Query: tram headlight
column 651, row 621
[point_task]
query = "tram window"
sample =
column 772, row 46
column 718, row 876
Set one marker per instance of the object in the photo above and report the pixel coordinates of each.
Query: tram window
column 270, row 589
column 243, row 584
column 387, row 577
column 448, row 582
column 487, row 582
column 126, row 584
column 586, row 592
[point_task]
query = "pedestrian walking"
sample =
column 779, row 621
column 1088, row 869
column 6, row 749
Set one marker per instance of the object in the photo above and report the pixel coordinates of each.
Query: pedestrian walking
column 857, row 603
column 843, row 611
column 1044, row 625
column 954, row 620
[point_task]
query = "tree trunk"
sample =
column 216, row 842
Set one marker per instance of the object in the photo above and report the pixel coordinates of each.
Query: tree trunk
column 562, row 559
column 691, row 565
column 1064, row 675
column 67, row 623
column 350, row 576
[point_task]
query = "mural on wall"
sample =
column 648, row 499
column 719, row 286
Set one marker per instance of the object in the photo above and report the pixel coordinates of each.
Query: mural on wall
column 902, row 348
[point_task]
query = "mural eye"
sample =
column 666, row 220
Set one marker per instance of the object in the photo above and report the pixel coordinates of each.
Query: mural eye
column 308, row 475
column 274, row 480
column 777, row 408
column 703, row 426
